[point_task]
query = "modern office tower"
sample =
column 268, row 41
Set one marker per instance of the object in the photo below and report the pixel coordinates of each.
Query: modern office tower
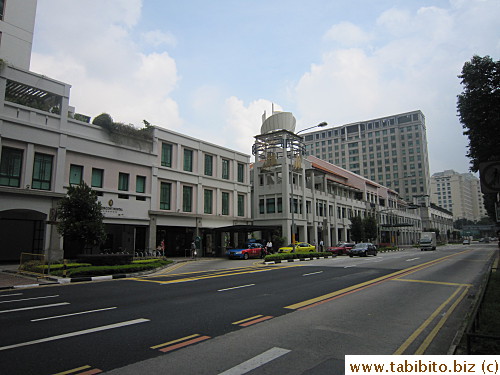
column 17, row 23
column 459, row 193
column 391, row 151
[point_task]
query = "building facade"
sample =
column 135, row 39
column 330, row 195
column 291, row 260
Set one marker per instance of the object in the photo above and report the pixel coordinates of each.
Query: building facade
column 17, row 23
column 314, row 199
column 391, row 151
column 154, row 184
column 459, row 193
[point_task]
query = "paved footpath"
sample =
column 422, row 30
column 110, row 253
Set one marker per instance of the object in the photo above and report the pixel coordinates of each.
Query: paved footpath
column 9, row 278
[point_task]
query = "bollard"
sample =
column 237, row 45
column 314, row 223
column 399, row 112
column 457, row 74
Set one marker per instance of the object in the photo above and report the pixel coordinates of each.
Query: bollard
column 65, row 267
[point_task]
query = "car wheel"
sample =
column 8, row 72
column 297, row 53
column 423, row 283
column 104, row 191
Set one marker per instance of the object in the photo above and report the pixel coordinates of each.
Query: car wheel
column 245, row 256
column 350, row 255
column 375, row 253
column 366, row 253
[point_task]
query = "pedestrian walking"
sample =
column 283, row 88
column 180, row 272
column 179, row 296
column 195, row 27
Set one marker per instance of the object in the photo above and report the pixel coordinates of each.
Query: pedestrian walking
column 269, row 247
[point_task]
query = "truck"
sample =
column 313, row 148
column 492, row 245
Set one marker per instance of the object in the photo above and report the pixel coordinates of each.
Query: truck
column 428, row 241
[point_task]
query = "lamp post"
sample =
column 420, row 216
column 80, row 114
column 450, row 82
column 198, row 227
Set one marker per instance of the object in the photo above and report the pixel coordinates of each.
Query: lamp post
column 299, row 151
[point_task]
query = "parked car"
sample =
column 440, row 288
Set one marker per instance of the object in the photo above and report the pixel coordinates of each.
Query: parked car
column 301, row 247
column 342, row 248
column 466, row 242
column 363, row 249
column 250, row 250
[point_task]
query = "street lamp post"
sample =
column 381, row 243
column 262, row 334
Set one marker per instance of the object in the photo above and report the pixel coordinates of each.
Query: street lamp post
column 292, row 154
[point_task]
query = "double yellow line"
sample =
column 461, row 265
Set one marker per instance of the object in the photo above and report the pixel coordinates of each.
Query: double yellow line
column 354, row 288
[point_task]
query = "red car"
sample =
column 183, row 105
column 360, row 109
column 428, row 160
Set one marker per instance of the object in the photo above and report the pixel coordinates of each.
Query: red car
column 341, row 248
column 251, row 250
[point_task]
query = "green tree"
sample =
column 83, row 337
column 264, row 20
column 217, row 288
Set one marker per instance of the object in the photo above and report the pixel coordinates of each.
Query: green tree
column 479, row 112
column 357, row 229
column 479, row 109
column 371, row 227
column 80, row 218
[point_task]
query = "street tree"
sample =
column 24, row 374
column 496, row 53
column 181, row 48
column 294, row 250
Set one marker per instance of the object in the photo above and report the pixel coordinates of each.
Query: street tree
column 80, row 219
column 357, row 229
column 479, row 112
column 370, row 227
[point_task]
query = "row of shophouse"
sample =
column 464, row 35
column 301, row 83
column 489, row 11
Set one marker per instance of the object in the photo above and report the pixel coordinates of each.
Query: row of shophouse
column 156, row 185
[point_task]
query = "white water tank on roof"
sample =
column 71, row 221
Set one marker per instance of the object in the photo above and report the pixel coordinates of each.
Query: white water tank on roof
column 278, row 121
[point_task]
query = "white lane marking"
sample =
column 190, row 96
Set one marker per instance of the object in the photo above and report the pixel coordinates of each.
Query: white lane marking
column 409, row 260
column 29, row 299
column 77, row 333
column 34, row 307
column 312, row 273
column 236, row 287
column 10, row 295
column 77, row 313
column 350, row 266
column 255, row 362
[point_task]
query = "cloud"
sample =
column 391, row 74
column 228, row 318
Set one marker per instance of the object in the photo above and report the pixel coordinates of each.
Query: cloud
column 348, row 34
column 412, row 63
column 241, row 121
column 158, row 38
column 107, row 70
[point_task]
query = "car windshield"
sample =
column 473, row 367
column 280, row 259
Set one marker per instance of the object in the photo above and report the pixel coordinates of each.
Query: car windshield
column 360, row 245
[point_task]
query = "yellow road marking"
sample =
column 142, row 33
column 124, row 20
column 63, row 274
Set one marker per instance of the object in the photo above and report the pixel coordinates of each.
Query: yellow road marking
column 380, row 279
column 207, row 274
column 174, row 341
column 73, row 370
column 424, row 325
column 432, row 282
column 247, row 319
column 423, row 347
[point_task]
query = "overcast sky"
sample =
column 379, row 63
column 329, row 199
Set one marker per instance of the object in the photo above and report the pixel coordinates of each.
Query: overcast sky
column 209, row 69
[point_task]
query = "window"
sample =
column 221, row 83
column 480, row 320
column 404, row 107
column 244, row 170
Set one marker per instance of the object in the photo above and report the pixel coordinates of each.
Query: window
column 270, row 204
column 166, row 155
column 75, row 174
column 225, row 169
column 208, row 199
column 2, row 8
column 140, row 184
column 209, row 161
column 188, row 160
column 241, row 172
column 97, row 177
column 165, row 191
column 42, row 172
column 241, row 205
column 225, row 203
column 261, row 206
column 187, row 198
column 10, row 167
column 123, row 181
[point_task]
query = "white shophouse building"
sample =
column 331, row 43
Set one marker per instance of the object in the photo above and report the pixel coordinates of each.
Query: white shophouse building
column 324, row 196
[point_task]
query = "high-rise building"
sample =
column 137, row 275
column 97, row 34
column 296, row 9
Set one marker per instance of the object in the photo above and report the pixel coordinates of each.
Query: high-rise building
column 17, row 23
column 391, row 151
column 459, row 193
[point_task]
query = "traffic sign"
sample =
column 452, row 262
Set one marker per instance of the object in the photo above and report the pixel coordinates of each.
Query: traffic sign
column 489, row 175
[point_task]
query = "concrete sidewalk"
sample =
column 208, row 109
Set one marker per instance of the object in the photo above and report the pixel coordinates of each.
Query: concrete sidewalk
column 10, row 279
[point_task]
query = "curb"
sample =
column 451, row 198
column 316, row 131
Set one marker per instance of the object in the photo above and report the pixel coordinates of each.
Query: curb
column 298, row 260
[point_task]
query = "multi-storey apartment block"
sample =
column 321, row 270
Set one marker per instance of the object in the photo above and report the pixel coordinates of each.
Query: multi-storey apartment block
column 459, row 193
column 324, row 196
column 391, row 151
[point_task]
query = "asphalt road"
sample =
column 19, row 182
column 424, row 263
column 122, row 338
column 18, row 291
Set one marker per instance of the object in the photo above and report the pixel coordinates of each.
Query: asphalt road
column 210, row 316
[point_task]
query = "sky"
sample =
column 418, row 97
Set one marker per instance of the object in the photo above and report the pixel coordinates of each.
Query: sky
column 209, row 69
